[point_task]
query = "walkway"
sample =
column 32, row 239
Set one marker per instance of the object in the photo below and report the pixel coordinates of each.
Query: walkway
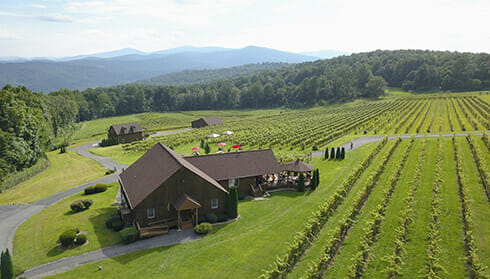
column 66, row 264
column 12, row 216
column 152, row 135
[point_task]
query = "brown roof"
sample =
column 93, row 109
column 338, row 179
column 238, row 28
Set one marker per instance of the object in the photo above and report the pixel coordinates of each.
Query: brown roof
column 151, row 170
column 212, row 120
column 185, row 202
column 124, row 129
column 297, row 166
column 237, row 164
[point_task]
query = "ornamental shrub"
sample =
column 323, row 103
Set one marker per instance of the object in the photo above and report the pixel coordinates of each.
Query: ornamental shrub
column 99, row 188
column 117, row 225
column 203, row 228
column 337, row 154
column 77, row 206
column 67, row 238
column 81, row 239
column 87, row 203
column 89, row 190
column 313, row 181
column 128, row 235
column 221, row 217
column 332, row 153
column 212, row 218
column 6, row 266
column 315, row 147
column 342, row 153
column 232, row 203
column 202, row 219
column 301, row 183
column 326, row 153
column 108, row 222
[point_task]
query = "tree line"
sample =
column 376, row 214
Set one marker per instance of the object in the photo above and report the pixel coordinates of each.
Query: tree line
column 29, row 121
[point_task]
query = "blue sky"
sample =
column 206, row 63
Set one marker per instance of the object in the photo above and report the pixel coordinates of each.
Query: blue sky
column 63, row 28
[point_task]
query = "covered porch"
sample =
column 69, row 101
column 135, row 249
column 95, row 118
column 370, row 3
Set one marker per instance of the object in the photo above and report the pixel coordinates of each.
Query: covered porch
column 187, row 211
column 288, row 177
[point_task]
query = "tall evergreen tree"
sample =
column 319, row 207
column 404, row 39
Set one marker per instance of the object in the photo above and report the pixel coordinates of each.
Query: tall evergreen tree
column 342, row 153
column 207, row 148
column 326, row 153
column 6, row 266
column 301, row 182
column 313, row 181
column 317, row 177
column 332, row 153
column 337, row 154
column 232, row 203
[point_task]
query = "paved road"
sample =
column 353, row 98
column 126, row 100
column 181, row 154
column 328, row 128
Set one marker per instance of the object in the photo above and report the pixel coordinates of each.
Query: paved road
column 12, row 216
column 66, row 264
column 168, row 133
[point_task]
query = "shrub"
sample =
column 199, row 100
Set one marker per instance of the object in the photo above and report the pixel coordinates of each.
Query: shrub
column 202, row 219
column 232, row 203
column 77, row 206
column 108, row 222
column 99, row 188
column 117, row 225
column 87, row 203
column 332, row 153
column 89, row 190
column 81, row 239
column 337, row 154
column 315, row 147
column 111, row 171
column 6, row 266
column 326, row 153
column 301, row 183
column 221, row 217
column 203, row 228
column 212, row 218
column 128, row 235
column 109, row 142
column 67, row 238
column 342, row 153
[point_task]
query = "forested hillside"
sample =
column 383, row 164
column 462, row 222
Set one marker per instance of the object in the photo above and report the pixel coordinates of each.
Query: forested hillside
column 204, row 76
column 29, row 120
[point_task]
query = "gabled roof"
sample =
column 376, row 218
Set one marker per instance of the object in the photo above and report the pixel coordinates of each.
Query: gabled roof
column 185, row 202
column 212, row 120
column 237, row 164
column 297, row 166
column 151, row 170
column 124, row 129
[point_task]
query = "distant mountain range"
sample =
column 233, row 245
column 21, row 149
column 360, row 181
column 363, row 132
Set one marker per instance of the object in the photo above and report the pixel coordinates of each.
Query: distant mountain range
column 130, row 65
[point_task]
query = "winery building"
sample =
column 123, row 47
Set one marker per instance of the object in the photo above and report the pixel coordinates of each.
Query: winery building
column 206, row 121
column 126, row 132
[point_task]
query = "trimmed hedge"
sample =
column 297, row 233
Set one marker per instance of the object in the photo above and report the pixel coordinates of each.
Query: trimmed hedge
column 89, row 190
column 81, row 239
column 203, row 228
column 87, row 203
column 67, row 238
column 128, row 235
column 80, row 205
column 99, row 188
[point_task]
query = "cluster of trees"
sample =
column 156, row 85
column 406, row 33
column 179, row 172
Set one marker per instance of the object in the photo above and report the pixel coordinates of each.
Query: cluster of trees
column 335, row 155
column 29, row 121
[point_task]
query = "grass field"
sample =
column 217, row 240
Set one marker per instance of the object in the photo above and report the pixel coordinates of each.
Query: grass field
column 244, row 247
column 36, row 240
column 65, row 171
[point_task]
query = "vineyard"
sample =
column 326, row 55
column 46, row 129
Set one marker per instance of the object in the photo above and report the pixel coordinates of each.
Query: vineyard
column 413, row 208
column 302, row 131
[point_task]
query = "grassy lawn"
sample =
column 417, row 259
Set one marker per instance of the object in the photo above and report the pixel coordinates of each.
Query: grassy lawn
column 245, row 247
column 36, row 239
column 66, row 170
column 117, row 154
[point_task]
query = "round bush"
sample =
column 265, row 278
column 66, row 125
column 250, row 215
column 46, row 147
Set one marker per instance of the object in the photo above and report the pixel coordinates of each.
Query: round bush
column 99, row 188
column 221, row 217
column 212, row 218
column 117, row 225
column 87, row 203
column 89, row 190
column 202, row 219
column 67, row 238
column 128, row 235
column 77, row 206
column 81, row 239
column 203, row 228
column 108, row 222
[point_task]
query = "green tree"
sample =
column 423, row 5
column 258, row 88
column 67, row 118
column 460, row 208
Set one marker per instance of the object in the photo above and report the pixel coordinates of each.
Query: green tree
column 337, row 154
column 326, row 153
column 332, row 153
column 6, row 266
column 313, row 182
column 207, row 148
column 375, row 87
column 301, row 182
column 232, row 203
column 342, row 153
column 317, row 177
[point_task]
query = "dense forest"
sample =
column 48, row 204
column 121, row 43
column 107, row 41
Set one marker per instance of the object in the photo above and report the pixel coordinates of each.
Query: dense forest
column 30, row 120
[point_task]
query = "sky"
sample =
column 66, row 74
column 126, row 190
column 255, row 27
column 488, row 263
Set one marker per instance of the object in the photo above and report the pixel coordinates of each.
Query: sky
column 57, row 28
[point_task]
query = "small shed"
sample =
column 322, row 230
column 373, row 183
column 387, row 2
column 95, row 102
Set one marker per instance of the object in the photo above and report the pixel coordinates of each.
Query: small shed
column 126, row 132
column 206, row 121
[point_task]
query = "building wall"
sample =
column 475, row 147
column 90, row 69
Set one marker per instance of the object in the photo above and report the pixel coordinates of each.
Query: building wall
column 130, row 137
column 243, row 188
column 183, row 181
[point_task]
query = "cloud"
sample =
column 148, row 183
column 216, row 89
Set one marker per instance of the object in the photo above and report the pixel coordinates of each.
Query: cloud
column 7, row 35
column 42, row 17
column 37, row 6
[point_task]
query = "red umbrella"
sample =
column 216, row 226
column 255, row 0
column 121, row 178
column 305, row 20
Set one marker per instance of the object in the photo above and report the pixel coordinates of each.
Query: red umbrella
column 236, row 146
column 195, row 148
column 221, row 144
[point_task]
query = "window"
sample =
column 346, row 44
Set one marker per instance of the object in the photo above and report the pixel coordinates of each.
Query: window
column 233, row 182
column 214, row 203
column 150, row 212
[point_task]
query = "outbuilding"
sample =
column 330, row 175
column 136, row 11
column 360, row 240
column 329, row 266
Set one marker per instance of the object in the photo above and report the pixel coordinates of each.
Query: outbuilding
column 206, row 121
column 126, row 132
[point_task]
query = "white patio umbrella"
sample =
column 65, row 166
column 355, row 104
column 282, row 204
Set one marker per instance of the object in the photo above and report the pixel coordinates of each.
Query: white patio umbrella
column 213, row 136
column 227, row 133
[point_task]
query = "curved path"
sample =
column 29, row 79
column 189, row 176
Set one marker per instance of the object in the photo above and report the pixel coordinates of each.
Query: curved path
column 11, row 216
